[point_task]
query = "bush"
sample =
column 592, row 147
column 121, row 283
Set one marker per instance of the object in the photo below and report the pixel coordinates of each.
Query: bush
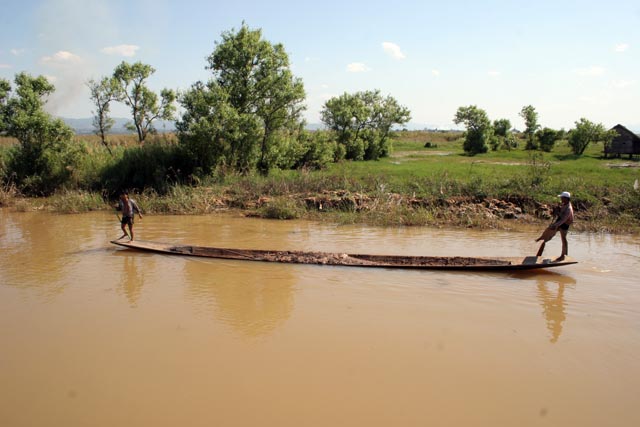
column 547, row 138
column 475, row 142
column 41, row 169
column 280, row 208
column 155, row 166
column 4, row 159
column 310, row 150
column 66, row 201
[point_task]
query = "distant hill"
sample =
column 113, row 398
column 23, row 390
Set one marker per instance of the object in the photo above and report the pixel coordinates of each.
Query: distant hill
column 85, row 126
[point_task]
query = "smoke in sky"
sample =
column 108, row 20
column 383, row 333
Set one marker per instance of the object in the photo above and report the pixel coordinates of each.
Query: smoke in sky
column 68, row 33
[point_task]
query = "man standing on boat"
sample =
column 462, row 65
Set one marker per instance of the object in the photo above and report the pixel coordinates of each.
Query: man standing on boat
column 565, row 219
column 129, row 208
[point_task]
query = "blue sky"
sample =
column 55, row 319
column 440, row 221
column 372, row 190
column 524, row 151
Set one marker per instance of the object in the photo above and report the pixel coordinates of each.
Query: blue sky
column 569, row 59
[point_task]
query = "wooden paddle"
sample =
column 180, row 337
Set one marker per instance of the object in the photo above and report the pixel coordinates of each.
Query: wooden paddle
column 547, row 234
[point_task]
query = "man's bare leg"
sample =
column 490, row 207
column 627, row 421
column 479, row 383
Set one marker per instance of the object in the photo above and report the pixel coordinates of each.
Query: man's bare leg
column 124, row 232
column 565, row 245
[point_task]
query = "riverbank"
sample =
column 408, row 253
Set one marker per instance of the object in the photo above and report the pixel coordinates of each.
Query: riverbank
column 380, row 208
column 426, row 181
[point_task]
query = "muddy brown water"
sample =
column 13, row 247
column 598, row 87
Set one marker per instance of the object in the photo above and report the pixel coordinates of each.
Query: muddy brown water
column 96, row 335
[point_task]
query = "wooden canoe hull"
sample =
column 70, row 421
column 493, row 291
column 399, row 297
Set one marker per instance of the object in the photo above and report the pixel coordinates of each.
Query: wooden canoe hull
column 351, row 260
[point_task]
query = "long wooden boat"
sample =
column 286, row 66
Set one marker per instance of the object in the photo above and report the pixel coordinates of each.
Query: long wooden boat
column 352, row 260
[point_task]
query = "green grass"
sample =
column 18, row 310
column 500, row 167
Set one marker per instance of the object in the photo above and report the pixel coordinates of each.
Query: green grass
column 448, row 170
column 66, row 201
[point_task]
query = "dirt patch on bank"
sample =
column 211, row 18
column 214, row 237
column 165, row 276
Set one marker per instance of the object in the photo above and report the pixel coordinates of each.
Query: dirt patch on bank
column 510, row 208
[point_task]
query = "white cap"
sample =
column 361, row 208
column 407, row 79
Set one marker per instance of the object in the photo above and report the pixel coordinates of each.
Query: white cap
column 565, row 194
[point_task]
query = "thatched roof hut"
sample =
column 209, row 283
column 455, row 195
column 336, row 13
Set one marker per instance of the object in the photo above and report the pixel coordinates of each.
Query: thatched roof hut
column 626, row 142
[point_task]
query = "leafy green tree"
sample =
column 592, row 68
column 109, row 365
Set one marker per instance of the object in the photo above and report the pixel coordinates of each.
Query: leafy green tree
column 501, row 127
column 5, row 89
column 548, row 137
column 346, row 115
column 363, row 121
column 530, row 116
column 479, row 130
column 587, row 132
column 130, row 81
column 387, row 112
column 258, row 78
column 103, row 93
column 44, row 158
column 210, row 128
column 252, row 97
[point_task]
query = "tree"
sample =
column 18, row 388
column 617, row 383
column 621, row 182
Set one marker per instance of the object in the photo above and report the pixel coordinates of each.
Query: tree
column 346, row 115
column 501, row 127
column 479, row 130
column 530, row 116
column 502, row 135
column 253, row 95
column 5, row 89
column 256, row 74
column 587, row 132
column 145, row 109
column 102, row 94
column 363, row 121
column 42, row 161
column 209, row 128
column 387, row 112
column 548, row 137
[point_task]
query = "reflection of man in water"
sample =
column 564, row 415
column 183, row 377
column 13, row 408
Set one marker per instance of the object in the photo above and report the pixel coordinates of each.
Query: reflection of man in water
column 132, row 280
column 553, row 308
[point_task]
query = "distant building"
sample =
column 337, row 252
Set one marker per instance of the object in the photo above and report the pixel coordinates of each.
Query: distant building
column 626, row 142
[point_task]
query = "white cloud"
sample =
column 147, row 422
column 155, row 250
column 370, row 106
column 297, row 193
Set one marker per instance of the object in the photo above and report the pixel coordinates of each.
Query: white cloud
column 621, row 47
column 5, row 66
column 122, row 50
column 393, row 50
column 622, row 84
column 17, row 52
column 493, row 73
column 357, row 67
column 592, row 71
column 51, row 79
column 587, row 99
column 62, row 57
column 435, row 72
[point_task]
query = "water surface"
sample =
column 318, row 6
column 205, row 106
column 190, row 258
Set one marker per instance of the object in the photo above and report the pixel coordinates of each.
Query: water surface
column 93, row 334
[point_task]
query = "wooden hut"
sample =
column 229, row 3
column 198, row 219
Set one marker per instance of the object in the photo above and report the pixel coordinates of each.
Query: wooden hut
column 626, row 142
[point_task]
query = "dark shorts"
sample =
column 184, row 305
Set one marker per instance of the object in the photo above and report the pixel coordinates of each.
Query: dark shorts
column 564, row 227
column 127, row 220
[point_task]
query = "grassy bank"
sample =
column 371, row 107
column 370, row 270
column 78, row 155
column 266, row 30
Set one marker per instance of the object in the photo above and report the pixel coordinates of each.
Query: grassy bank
column 435, row 186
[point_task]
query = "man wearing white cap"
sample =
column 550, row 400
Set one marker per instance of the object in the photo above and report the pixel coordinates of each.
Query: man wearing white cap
column 565, row 219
